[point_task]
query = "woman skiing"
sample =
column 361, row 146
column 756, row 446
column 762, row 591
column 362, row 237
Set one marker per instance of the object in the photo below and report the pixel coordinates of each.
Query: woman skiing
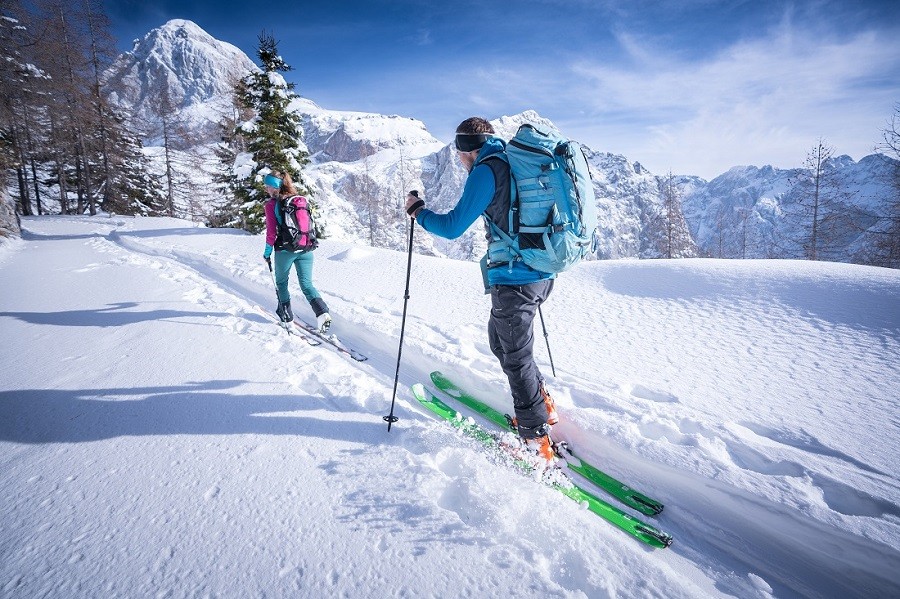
column 291, row 250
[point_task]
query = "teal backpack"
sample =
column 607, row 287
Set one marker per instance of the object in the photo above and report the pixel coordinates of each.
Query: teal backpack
column 553, row 213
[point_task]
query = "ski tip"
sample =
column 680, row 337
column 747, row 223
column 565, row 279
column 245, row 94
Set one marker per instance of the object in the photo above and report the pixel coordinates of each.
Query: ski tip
column 437, row 376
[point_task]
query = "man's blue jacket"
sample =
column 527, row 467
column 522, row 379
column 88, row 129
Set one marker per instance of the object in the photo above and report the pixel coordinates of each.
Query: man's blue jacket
column 477, row 196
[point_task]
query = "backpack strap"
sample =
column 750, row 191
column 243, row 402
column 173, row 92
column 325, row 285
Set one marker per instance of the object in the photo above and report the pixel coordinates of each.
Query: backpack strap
column 280, row 203
column 276, row 208
column 512, row 225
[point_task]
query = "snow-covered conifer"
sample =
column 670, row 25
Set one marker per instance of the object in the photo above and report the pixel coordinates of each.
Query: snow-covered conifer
column 273, row 137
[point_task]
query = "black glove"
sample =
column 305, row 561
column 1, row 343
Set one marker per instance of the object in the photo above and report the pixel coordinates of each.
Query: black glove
column 412, row 208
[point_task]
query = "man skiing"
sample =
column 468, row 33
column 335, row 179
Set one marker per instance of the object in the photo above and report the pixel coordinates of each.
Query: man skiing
column 516, row 289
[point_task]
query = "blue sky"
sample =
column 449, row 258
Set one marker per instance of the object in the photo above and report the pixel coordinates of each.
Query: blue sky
column 691, row 86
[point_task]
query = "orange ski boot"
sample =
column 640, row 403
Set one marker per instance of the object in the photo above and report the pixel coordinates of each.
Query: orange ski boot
column 552, row 416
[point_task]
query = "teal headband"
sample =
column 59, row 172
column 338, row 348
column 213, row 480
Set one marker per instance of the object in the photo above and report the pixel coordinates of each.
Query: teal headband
column 272, row 181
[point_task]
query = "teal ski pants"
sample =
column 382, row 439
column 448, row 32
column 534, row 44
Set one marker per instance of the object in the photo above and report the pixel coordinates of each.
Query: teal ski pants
column 303, row 263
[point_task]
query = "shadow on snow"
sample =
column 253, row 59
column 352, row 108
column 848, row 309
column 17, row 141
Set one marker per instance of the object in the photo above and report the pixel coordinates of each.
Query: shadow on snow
column 113, row 316
column 35, row 416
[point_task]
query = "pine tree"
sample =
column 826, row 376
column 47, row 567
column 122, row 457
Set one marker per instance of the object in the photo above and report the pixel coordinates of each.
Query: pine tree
column 163, row 123
column 130, row 187
column 811, row 178
column 667, row 227
column 822, row 207
column 20, row 83
column 61, row 129
column 886, row 250
column 273, row 137
column 11, row 67
column 227, row 211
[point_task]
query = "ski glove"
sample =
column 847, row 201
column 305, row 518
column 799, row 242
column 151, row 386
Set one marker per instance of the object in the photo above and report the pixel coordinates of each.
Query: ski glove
column 414, row 203
column 267, row 253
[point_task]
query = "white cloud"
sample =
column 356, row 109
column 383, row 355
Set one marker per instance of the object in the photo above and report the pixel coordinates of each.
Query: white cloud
column 760, row 101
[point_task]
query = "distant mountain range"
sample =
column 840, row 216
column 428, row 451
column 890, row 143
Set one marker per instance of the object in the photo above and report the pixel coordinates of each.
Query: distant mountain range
column 363, row 164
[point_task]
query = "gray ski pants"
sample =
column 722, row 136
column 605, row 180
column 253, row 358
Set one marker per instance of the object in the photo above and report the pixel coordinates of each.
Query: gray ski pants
column 511, row 338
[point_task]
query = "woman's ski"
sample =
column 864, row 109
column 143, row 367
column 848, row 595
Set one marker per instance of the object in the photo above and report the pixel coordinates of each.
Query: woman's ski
column 293, row 331
column 330, row 339
column 312, row 335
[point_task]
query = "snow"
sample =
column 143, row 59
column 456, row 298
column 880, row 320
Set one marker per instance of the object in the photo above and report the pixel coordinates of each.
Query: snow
column 160, row 437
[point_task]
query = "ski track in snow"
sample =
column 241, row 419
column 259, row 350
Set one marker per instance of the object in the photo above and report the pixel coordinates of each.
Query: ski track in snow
column 710, row 387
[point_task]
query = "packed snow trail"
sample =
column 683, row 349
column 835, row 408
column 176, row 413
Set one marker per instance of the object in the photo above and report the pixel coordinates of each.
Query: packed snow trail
column 157, row 435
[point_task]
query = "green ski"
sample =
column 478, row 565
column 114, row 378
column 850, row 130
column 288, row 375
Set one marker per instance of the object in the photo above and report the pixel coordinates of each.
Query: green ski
column 622, row 492
column 640, row 530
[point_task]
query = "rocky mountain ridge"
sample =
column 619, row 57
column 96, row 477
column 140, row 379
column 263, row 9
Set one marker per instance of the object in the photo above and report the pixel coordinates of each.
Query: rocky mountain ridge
column 363, row 163
column 197, row 70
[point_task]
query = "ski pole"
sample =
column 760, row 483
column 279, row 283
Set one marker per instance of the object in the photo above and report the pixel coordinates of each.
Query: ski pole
column 547, row 341
column 274, row 282
column 390, row 418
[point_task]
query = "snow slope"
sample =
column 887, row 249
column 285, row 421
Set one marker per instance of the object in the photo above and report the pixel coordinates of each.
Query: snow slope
column 160, row 437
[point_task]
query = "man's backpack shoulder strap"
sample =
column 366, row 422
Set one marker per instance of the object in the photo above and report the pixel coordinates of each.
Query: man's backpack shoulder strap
column 499, row 165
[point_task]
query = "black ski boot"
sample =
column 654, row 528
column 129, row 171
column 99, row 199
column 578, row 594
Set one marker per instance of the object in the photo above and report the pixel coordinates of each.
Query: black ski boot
column 284, row 311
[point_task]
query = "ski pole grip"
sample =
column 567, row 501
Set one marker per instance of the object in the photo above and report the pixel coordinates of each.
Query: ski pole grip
column 415, row 206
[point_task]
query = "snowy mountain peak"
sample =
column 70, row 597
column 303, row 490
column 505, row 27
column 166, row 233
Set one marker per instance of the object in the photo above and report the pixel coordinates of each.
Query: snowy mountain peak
column 347, row 136
column 179, row 28
column 195, row 65
column 506, row 126
column 198, row 70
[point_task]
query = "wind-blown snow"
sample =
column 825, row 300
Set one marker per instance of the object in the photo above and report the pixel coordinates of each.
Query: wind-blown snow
column 160, row 437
